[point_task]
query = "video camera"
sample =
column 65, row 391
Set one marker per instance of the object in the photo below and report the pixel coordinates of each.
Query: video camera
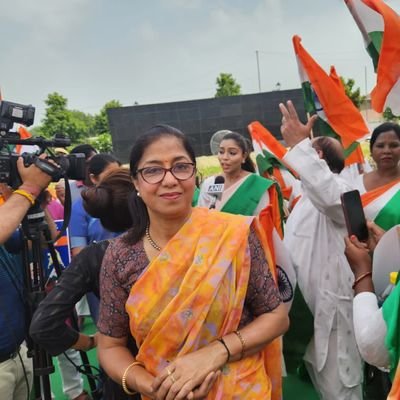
column 72, row 166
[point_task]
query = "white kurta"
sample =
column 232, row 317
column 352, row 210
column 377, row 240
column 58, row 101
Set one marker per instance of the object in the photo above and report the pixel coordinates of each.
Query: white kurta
column 314, row 235
column 370, row 329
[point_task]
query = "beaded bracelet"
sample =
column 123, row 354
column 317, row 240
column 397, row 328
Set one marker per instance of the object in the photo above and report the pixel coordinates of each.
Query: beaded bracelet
column 222, row 341
column 239, row 335
column 360, row 278
column 25, row 194
column 124, row 386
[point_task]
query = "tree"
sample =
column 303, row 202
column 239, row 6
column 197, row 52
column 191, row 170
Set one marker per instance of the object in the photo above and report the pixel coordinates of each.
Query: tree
column 389, row 116
column 58, row 119
column 227, row 85
column 353, row 93
column 101, row 119
column 102, row 143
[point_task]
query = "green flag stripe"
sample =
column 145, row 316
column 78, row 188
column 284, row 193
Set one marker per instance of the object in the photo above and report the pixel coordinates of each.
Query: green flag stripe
column 309, row 104
column 267, row 161
column 324, row 128
column 389, row 215
column 374, row 47
column 391, row 315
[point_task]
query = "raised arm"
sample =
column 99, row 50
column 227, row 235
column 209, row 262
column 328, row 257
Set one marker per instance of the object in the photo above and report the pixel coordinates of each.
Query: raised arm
column 320, row 184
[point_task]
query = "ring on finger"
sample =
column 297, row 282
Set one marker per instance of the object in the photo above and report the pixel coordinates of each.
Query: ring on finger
column 168, row 372
column 171, row 375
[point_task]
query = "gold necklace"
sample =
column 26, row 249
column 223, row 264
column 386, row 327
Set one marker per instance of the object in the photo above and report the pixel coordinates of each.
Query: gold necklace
column 151, row 241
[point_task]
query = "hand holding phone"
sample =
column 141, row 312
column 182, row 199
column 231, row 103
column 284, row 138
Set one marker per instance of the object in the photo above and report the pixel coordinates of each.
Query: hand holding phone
column 354, row 215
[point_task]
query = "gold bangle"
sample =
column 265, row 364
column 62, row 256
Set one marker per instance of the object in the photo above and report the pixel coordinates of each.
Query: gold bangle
column 124, row 386
column 25, row 194
column 243, row 343
column 360, row 278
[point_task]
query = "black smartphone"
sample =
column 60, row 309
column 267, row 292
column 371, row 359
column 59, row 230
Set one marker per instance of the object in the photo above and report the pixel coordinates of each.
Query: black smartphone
column 354, row 215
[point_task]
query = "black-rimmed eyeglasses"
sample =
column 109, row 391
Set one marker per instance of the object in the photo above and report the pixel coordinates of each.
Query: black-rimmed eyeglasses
column 180, row 171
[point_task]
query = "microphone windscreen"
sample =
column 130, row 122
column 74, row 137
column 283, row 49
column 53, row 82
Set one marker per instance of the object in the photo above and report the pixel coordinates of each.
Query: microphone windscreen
column 219, row 180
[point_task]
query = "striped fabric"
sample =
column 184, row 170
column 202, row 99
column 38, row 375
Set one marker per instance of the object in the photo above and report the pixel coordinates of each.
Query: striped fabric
column 325, row 96
column 380, row 29
column 382, row 205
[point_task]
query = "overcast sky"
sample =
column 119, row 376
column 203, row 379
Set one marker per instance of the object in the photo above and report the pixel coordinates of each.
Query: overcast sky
column 92, row 51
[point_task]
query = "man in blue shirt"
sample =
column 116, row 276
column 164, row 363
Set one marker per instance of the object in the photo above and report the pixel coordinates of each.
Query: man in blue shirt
column 16, row 370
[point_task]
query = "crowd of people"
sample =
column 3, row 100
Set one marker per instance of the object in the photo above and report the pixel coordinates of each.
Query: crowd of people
column 190, row 302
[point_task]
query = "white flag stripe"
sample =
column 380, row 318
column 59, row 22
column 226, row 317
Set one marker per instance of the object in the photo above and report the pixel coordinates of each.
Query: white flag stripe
column 393, row 98
column 373, row 208
column 302, row 72
column 368, row 20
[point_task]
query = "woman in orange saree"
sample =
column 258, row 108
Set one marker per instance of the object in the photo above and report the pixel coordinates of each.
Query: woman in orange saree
column 192, row 285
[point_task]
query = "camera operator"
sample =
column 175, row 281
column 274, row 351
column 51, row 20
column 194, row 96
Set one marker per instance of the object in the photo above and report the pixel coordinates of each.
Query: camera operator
column 15, row 368
column 14, row 209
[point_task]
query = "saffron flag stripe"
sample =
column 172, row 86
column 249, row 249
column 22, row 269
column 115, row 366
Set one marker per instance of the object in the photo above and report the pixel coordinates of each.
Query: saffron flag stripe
column 380, row 28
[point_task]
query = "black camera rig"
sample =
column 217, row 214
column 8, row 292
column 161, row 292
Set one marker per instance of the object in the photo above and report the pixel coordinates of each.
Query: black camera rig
column 62, row 166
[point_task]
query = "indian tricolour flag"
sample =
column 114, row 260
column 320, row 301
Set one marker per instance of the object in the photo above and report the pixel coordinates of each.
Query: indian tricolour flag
column 381, row 205
column 269, row 159
column 380, row 28
column 24, row 148
column 325, row 96
column 391, row 315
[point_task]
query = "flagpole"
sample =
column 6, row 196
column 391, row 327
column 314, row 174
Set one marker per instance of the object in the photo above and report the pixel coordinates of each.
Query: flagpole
column 258, row 72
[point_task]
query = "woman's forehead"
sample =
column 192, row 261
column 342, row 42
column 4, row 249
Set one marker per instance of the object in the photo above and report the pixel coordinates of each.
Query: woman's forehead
column 165, row 149
column 225, row 143
column 387, row 135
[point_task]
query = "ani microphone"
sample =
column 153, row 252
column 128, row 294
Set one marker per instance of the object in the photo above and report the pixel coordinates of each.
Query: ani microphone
column 216, row 189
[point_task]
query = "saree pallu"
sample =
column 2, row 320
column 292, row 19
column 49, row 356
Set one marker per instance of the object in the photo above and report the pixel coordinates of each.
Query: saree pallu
column 244, row 201
column 192, row 294
column 381, row 205
column 391, row 315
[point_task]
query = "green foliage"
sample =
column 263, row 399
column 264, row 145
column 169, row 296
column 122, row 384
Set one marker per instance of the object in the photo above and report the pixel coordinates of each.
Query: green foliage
column 101, row 120
column 102, row 143
column 353, row 93
column 227, row 85
column 84, row 122
column 36, row 131
column 389, row 116
column 58, row 119
column 77, row 125
column 207, row 166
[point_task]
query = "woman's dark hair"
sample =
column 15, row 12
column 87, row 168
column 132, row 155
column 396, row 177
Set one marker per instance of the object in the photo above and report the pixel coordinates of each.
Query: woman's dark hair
column 109, row 200
column 140, row 216
column 87, row 149
column 244, row 145
column 385, row 127
column 332, row 156
column 99, row 162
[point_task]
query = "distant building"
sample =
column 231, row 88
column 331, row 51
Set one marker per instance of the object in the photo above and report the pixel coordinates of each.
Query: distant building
column 372, row 117
column 200, row 119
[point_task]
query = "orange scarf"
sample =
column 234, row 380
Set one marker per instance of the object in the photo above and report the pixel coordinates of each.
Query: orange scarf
column 193, row 293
